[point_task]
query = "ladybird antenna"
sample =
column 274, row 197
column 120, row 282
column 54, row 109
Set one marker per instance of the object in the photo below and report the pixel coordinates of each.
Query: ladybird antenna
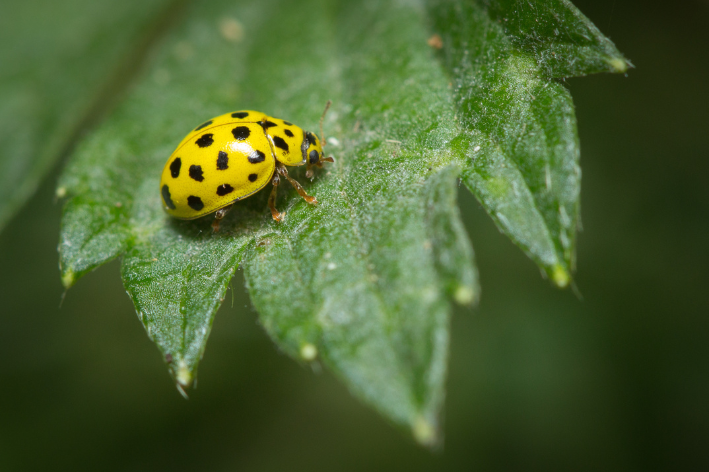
column 322, row 135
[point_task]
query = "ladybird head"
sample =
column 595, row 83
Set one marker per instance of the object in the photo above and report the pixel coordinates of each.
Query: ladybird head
column 313, row 153
column 312, row 147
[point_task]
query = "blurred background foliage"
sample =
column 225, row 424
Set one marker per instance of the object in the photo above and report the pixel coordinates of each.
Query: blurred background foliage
column 538, row 379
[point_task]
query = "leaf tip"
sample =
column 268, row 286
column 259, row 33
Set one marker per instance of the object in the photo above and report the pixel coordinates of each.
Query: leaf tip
column 560, row 276
column 424, row 431
column 68, row 278
column 464, row 295
column 618, row 64
column 183, row 376
column 308, row 352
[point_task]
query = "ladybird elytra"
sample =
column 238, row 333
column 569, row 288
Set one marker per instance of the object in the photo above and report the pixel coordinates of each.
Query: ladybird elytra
column 232, row 156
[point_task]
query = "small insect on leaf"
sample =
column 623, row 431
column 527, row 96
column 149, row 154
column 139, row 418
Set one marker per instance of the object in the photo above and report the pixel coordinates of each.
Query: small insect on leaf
column 231, row 157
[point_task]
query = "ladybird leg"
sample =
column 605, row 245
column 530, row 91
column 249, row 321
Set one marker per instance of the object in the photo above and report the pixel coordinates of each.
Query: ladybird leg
column 277, row 215
column 298, row 188
column 221, row 213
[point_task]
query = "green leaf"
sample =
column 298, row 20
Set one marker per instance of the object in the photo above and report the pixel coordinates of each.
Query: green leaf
column 61, row 64
column 364, row 281
column 518, row 124
column 367, row 292
column 560, row 39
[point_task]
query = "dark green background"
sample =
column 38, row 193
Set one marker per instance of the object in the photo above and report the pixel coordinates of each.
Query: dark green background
column 538, row 378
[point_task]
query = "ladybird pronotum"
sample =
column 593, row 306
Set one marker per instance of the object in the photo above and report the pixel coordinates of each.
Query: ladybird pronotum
column 233, row 156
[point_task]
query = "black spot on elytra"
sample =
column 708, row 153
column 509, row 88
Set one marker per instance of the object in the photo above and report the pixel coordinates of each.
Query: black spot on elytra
column 196, row 173
column 314, row 156
column 256, row 157
column 267, row 124
column 205, row 141
column 280, row 143
column 240, row 114
column 166, row 197
column 253, row 177
column 288, row 132
column 195, row 203
column 241, row 132
column 222, row 161
column 311, row 137
column 175, row 167
column 206, row 123
column 224, row 189
column 288, row 123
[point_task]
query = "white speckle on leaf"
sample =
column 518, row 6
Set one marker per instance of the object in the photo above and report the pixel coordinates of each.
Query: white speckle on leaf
column 547, row 172
column 308, row 352
column 503, row 221
column 564, row 217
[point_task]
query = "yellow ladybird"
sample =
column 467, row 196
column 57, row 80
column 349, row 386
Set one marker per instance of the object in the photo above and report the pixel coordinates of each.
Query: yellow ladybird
column 233, row 156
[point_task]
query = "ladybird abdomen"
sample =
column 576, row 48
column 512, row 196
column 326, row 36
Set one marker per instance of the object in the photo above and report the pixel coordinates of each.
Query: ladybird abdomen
column 215, row 167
